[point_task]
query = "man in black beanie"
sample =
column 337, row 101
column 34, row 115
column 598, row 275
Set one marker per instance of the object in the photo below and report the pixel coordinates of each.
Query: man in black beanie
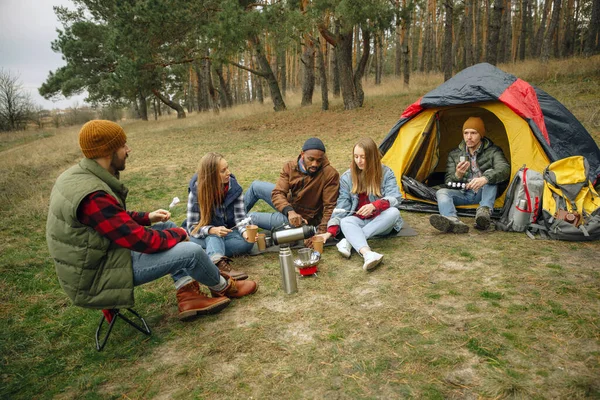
column 306, row 192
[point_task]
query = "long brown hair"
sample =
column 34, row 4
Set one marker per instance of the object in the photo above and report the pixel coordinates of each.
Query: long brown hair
column 369, row 179
column 209, row 187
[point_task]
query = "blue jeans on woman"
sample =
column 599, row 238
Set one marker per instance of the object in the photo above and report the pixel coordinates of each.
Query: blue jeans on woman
column 357, row 230
column 184, row 262
column 447, row 199
column 260, row 190
column 232, row 244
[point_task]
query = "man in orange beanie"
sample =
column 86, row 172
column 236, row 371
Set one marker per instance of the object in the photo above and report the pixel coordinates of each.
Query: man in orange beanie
column 475, row 168
column 101, row 251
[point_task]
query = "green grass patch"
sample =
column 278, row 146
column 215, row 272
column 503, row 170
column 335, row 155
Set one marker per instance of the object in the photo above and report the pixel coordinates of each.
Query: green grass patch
column 491, row 295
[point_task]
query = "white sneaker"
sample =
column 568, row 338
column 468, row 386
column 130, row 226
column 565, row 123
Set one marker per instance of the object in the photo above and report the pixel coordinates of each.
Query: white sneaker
column 372, row 259
column 344, row 247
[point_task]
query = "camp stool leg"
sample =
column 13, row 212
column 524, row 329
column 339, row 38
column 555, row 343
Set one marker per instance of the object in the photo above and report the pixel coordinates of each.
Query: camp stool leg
column 111, row 316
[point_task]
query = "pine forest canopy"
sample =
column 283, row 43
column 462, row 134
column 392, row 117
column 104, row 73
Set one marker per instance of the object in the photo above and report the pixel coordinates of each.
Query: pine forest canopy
column 205, row 55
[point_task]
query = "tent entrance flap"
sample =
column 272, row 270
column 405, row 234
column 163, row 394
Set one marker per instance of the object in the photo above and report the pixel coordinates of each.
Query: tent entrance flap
column 426, row 157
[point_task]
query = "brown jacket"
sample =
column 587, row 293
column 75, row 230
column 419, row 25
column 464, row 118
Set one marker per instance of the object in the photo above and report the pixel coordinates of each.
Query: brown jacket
column 314, row 198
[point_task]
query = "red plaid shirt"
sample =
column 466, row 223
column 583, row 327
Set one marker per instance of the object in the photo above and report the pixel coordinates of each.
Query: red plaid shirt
column 103, row 212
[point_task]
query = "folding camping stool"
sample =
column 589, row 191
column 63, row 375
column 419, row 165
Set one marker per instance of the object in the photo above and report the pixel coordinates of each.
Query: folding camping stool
column 111, row 316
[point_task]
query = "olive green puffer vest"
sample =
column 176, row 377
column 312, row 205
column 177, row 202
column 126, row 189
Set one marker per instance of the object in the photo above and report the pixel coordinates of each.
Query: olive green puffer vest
column 93, row 271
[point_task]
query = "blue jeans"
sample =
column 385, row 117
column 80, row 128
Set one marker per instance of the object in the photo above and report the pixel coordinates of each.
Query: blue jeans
column 260, row 190
column 447, row 199
column 357, row 230
column 233, row 244
column 183, row 261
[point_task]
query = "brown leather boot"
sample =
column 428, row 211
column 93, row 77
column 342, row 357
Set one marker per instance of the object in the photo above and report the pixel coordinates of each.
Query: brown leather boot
column 193, row 303
column 224, row 266
column 235, row 289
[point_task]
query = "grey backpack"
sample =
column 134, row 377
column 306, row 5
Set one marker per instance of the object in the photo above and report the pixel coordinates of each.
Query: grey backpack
column 523, row 201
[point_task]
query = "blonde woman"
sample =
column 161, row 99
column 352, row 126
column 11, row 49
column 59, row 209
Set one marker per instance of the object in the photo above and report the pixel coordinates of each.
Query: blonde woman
column 215, row 213
column 367, row 204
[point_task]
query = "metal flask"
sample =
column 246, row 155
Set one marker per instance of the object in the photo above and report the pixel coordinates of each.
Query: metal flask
column 521, row 217
column 288, row 274
column 288, row 234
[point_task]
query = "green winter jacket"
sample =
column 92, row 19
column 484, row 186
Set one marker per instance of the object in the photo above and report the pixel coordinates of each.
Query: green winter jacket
column 93, row 271
column 490, row 159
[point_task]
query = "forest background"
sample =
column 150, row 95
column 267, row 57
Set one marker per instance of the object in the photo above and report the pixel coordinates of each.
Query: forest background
column 157, row 56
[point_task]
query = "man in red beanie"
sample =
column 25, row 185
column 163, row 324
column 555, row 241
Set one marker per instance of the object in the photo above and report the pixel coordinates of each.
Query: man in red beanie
column 480, row 166
column 101, row 251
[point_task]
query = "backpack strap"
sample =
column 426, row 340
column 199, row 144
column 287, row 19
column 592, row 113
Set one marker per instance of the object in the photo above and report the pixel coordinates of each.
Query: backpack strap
column 527, row 195
column 504, row 223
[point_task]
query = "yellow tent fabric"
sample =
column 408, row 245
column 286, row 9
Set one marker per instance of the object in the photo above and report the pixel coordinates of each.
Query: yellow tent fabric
column 422, row 145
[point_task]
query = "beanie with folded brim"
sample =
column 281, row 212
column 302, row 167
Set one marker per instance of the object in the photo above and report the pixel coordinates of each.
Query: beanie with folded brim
column 313, row 144
column 475, row 123
column 101, row 138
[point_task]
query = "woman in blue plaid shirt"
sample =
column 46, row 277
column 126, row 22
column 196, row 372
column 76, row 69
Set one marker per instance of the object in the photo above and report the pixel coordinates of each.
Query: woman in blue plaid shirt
column 215, row 213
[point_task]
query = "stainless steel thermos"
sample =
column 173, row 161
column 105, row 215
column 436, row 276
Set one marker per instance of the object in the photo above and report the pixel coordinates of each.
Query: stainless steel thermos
column 292, row 234
column 288, row 273
column 521, row 216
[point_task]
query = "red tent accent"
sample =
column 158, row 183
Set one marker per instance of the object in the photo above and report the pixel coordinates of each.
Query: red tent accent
column 521, row 98
column 413, row 109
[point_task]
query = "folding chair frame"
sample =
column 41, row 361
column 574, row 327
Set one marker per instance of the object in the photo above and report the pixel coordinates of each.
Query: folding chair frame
column 143, row 327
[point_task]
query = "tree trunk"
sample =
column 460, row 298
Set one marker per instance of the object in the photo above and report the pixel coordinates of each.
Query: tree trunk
column 405, row 39
column 190, row 92
column 136, row 108
column 476, row 39
column 212, row 93
column 344, row 57
column 447, row 59
column 259, row 90
column 143, row 107
column 545, row 53
column 494, row 33
column 308, row 71
column 323, row 76
column 335, row 73
column 155, row 109
column 539, row 36
column 202, row 87
column 282, row 66
column 468, row 33
column 225, row 92
column 523, row 35
column 342, row 43
column 592, row 41
column 278, row 103
column 566, row 44
column 361, row 66
column 505, row 32
column 175, row 106
column 380, row 58
column 398, row 40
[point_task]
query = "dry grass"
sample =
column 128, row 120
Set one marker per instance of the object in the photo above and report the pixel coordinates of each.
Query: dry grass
column 484, row 315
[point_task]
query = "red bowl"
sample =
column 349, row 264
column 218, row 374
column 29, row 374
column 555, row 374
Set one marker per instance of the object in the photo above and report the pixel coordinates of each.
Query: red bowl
column 308, row 270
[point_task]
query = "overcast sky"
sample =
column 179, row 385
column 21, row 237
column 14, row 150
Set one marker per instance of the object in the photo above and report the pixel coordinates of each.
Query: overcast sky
column 27, row 27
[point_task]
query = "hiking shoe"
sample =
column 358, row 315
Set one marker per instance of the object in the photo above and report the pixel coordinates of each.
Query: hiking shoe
column 458, row 226
column 441, row 223
column 192, row 302
column 372, row 259
column 448, row 224
column 482, row 218
column 344, row 247
column 235, row 289
column 224, row 265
